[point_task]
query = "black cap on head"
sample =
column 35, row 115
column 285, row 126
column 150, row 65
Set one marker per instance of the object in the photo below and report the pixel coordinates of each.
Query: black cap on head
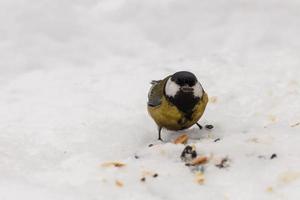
column 183, row 77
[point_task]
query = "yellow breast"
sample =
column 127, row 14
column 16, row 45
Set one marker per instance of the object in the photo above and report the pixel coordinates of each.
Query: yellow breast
column 168, row 116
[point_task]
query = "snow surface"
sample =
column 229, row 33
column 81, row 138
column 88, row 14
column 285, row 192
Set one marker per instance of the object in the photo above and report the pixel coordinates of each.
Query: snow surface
column 74, row 81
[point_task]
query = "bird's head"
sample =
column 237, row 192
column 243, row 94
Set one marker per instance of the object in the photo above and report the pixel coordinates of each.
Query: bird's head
column 183, row 83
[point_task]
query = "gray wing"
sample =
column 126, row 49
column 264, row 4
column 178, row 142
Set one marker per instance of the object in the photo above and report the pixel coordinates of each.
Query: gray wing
column 156, row 93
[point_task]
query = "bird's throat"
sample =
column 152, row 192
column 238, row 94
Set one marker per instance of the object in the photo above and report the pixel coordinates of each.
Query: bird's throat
column 185, row 102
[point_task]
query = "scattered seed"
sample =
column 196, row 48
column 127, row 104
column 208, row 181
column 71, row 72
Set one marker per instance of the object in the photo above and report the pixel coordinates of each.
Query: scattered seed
column 150, row 145
column 188, row 153
column 187, row 150
column 136, row 157
column 194, row 154
column 289, row 176
column 147, row 173
column 155, row 175
column 182, row 139
column 114, row 164
column 143, row 179
column 199, row 161
column 199, row 178
column 296, row 124
column 216, row 140
column 213, row 99
column 272, row 118
column 270, row 189
column 223, row 164
column 119, row 183
column 274, row 155
column 209, row 126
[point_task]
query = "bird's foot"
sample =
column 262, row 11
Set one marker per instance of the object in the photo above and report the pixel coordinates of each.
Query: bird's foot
column 200, row 127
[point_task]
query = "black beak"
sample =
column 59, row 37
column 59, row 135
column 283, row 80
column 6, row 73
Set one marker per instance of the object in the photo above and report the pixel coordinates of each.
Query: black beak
column 186, row 89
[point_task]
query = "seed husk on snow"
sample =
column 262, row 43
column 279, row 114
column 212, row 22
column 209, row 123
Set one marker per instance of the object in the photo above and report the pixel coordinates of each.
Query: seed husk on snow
column 213, row 99
column 182, row 139
column 199, row 161
column 143, row 179
column 188, row 153
column 224, row 163
column 119, row 183
column 199, row 177
column 296, row 124
column 274, row 155
column 209, row 126
column 113, row 164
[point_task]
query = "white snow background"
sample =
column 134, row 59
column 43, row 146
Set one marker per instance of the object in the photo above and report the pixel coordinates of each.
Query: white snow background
column 74, row 81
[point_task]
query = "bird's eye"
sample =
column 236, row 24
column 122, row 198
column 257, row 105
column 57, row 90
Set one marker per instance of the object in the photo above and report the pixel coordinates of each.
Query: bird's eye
column 180, row 81
column 191, row 82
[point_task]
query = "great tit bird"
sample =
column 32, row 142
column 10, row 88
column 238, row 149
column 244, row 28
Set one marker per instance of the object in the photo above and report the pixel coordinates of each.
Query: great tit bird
column 177, row 102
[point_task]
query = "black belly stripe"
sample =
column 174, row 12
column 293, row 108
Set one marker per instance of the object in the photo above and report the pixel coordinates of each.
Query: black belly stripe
column 185, row 102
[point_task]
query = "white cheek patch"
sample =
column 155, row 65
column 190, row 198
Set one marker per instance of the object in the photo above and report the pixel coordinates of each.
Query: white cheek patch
column 198, row 90
column 171, row 88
